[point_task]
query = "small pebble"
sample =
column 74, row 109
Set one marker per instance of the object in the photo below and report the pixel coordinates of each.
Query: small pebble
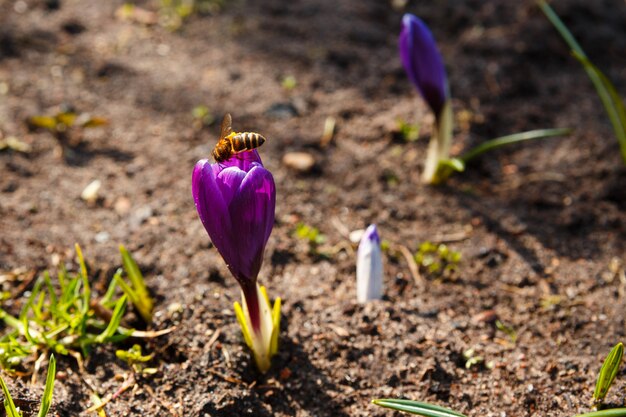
column 281, row 111
column 300, row 161
column 90, row 192
column 102, row 237
column 356, row 235
column 140, row 215
column 487, row 316
column 122, row 206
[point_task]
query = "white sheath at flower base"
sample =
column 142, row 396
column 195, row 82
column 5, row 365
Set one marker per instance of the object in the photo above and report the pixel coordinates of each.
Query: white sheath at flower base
column 369, row 267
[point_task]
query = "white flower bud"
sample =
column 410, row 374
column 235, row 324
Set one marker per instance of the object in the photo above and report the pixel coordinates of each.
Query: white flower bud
column 369, row 267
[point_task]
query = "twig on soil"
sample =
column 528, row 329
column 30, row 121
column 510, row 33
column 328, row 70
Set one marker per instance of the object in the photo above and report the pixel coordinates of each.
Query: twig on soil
column 79, row 360
column 129, row 381
column 100, row 310
column 341, row 228
column 452, row 237
column 516, row 290
column 25, row 284
column 226, row 356
column 96, row 400
column 213, row 339
column 169, row 407
column 226, row 377
column 419, row 281
column 38, row 362
column 148, row 334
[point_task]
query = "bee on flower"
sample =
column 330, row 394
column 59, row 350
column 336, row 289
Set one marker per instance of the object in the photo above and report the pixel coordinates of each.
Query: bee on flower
column 235, row 200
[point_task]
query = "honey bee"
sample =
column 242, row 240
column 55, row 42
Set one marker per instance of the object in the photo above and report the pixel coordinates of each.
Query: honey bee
column 231, row 143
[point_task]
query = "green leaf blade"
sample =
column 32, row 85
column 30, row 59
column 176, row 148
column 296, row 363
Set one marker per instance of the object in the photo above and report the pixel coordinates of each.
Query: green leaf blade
column 561, row 28
column 143, row 300
column 114, row 324
column 46, row 400
column 417, row 408
column 9, row 405
column 608, row 372
column 611, row 100
column 612, row 412
column 510, row 139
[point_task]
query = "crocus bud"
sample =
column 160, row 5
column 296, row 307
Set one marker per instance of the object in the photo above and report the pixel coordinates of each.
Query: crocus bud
column 369, row 267
column 423, row 63
column 424, row 67
column 235, row 201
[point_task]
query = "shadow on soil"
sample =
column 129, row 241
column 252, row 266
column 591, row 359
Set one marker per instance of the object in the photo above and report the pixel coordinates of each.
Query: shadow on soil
column 308, row 386
column 301, row 386
column 571, row 230
column 83, row 154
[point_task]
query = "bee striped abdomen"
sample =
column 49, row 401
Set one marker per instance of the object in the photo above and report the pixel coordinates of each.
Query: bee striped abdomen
column 246, row 141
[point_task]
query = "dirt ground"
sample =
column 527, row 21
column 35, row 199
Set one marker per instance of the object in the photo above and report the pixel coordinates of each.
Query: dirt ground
column 541, row 226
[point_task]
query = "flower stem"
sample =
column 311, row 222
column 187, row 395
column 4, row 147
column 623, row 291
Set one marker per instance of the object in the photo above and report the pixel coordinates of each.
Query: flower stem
column 252, row 301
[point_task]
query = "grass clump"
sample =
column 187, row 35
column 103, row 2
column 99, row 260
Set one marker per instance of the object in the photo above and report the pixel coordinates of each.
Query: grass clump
column 64, row 317
column 438, row 261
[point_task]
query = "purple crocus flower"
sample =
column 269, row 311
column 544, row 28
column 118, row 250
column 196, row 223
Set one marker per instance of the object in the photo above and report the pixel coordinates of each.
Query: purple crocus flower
column 235, row 200
column 423, row 63
column 424, row 66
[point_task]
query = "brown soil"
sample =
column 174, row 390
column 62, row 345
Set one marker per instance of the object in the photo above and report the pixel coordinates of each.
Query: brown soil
column 537, row 224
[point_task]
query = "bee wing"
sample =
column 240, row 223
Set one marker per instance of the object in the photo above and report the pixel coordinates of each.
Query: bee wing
column 226, row 126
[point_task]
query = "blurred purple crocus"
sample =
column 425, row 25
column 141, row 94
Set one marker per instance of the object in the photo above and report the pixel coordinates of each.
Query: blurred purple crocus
column 423, row 63
column 424, row 67
column 235, row 200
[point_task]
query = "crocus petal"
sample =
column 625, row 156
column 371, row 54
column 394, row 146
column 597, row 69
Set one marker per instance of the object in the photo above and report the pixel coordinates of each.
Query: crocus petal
column 369, row 267
column 210, row 204
column 244, row 160
column 228, row 181
column 252, row 211
column 422, row 62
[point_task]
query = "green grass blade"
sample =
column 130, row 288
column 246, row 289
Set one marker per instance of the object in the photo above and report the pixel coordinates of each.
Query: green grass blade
column 114, row 324
column 26, row 331
column 85, row 291
column 9, row 405
column 128, row 290
column 560, row 26
column 51, row 292
column 11, row 321
column 611, row 101
column 145, row 304
column 85, row 279
column 416, row 407
column 510, row 139
column 46, row 400
column 31, row 299
column 108, row 296
column 62, row 277
column 608, row 372
column 612, row 412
